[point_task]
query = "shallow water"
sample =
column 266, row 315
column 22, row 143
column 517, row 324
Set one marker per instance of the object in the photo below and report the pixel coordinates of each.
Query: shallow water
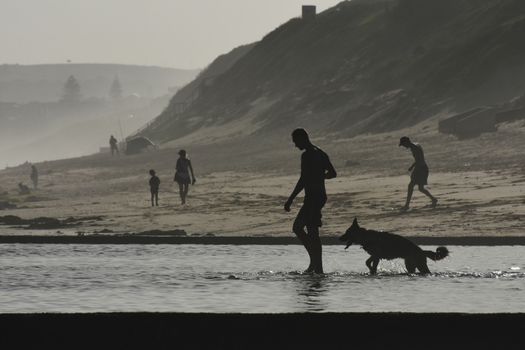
column 249, row 279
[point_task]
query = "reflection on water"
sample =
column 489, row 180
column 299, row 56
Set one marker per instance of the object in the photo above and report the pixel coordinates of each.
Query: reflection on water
column 311, row 290
column 198, row 278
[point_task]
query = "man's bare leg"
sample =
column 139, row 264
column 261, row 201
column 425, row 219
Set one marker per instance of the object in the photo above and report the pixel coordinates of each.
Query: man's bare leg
column 409, row 195
column 423, row 190
column 316, row 249
column 305, row 240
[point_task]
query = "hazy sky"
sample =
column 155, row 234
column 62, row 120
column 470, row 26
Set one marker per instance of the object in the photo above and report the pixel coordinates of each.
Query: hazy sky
column 172, row 33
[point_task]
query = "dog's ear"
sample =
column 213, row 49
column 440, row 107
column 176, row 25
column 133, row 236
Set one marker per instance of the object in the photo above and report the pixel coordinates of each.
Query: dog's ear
column 354, row 223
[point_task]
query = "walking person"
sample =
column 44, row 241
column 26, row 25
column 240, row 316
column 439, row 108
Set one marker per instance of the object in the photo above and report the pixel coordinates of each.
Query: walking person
column 419, row 172
column 113, row 145
column 182, row 175
column 154, row 183
column 34, row 176
column 315, row 168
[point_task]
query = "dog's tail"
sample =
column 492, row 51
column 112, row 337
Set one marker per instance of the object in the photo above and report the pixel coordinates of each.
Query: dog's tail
column 441, row 253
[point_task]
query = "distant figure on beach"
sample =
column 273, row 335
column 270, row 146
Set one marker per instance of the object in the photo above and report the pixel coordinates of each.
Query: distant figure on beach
column 34, row 176
column 23, row 189
column 182, row 175
column 419, row 175
column 113, row 145
column 315, row 168
column 154, row 183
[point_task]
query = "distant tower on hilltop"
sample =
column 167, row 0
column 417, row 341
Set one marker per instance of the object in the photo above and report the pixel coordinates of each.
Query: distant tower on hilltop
column 309, row 11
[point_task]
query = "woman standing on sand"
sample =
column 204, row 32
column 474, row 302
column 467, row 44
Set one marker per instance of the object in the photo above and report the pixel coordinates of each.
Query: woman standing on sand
column 182, row 175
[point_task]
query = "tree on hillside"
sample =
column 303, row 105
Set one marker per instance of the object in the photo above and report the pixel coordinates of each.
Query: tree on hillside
column 71, row 90
column 115, row 91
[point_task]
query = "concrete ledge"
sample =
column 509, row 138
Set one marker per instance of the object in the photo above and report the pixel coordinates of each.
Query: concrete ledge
column 257, row 331
column 245, row 240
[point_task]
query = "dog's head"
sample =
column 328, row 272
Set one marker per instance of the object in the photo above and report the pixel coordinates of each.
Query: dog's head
column 351, row 234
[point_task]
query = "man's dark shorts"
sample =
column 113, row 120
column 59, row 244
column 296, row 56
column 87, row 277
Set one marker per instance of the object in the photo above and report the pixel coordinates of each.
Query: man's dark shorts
column 310, row 213
column 419, row 175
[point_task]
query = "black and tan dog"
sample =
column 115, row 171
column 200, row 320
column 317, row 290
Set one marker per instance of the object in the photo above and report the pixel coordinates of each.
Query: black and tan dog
column 384, row 245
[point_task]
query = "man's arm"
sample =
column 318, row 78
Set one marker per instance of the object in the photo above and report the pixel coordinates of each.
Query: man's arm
column 330, row 170
column 412, row 166
column 298, row 188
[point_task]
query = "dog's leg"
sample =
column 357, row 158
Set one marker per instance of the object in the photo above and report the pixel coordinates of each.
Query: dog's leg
column 411, row 267
column 372, row 263
column 368, row 263
column 375, row 262
column 422, row 266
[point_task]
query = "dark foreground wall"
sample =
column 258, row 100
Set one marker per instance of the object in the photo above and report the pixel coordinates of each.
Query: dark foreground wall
column 258, row 331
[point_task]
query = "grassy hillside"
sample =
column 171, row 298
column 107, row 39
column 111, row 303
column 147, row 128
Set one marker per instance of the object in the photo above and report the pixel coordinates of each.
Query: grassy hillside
column 365, row 66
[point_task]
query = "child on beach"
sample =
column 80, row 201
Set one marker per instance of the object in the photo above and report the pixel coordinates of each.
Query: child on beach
column 154, row 183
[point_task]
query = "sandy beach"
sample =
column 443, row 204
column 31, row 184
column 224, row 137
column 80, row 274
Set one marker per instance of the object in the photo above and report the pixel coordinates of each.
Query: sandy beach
column 240, row 191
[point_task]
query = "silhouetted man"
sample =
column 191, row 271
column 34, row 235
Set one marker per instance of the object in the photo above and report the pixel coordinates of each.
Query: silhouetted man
column 113, row 145
column 419, row 175
column 315, row 168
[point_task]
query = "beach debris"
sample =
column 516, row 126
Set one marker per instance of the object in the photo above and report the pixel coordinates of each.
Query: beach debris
column 11, row 220
column 175, row 232
column 73, row 220
column 44, row 223
column 105, row 230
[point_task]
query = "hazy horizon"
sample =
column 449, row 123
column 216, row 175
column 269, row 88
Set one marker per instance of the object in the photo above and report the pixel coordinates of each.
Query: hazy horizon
column 174, row 34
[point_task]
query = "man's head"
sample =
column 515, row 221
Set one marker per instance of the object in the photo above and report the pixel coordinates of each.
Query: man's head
column 182, row 153
column 404, row 141
column 152, row 172
column 300, row 138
